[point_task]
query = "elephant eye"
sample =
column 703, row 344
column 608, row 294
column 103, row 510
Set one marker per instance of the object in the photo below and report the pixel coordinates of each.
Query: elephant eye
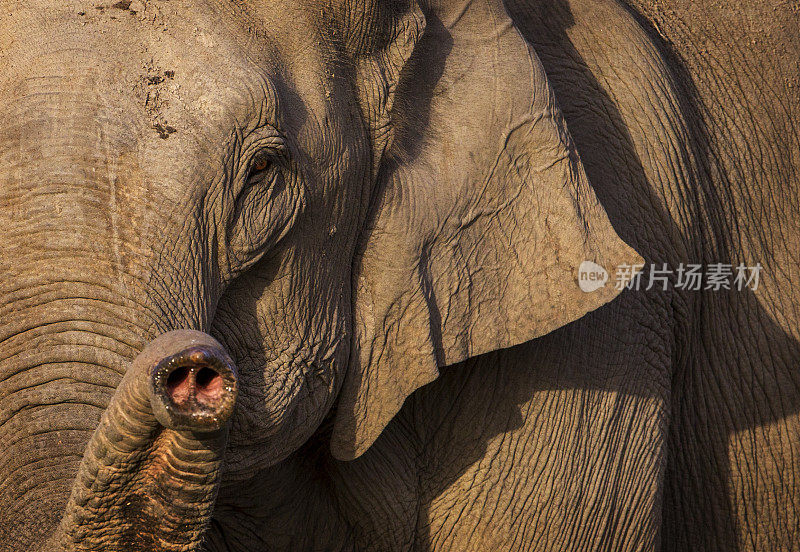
column 267, row 151
column 267, row 206
column 260, row 165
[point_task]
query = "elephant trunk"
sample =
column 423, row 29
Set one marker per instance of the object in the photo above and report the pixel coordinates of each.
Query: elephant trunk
column 95, row 261
column 149, row 476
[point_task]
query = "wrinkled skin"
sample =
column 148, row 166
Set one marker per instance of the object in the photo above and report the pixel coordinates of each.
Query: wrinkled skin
column 348, row 200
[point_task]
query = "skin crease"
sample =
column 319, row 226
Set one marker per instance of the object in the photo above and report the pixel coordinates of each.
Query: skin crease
column 659, row 421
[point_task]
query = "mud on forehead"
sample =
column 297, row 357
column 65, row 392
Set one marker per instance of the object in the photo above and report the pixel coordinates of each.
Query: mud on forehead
column 199, row 62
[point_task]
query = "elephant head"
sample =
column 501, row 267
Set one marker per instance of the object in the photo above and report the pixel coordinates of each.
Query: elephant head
column 346, row 194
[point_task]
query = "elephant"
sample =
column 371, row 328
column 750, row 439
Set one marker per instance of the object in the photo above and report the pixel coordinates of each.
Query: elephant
column 306, row 275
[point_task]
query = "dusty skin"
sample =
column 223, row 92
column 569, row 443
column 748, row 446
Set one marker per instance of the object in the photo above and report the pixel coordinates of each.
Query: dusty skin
column 300, row 275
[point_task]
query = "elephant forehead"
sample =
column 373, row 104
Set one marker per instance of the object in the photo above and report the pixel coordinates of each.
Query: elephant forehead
column 172, row 82
column 209, row 61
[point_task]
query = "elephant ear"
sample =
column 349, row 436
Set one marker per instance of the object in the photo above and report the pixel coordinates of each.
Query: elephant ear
column 483, row 217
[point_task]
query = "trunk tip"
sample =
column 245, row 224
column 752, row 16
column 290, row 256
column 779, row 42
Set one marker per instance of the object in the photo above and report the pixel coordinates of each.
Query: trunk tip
column 193, row 381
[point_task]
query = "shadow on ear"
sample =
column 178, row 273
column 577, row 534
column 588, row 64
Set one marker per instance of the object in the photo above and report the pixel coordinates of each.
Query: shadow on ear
column 483, row 217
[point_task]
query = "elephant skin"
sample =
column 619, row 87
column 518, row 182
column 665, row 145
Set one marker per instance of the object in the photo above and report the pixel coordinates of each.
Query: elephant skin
column 305, row 276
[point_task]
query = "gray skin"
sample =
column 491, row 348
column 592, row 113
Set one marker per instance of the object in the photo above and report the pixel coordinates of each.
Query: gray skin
column 349, row 200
